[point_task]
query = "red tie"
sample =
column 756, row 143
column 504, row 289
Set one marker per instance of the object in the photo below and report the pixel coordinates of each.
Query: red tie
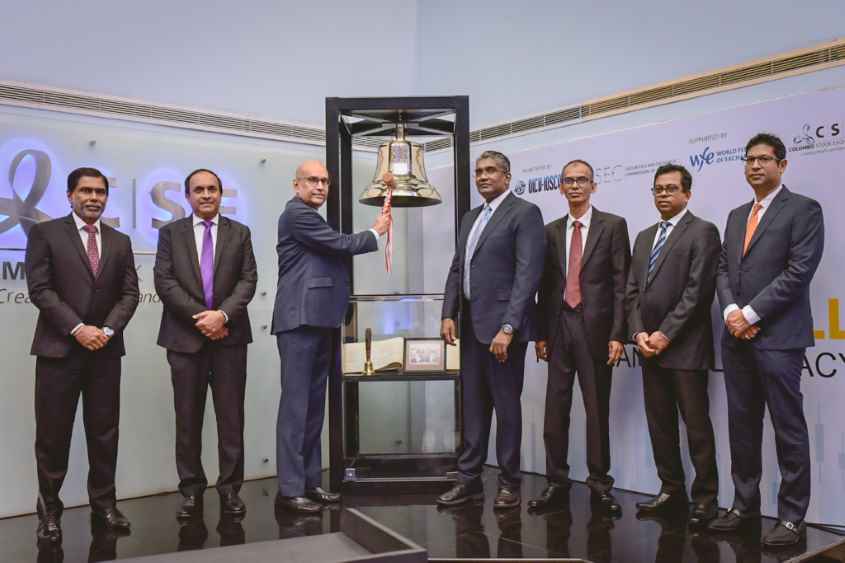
column 93, row 253
column 572, row 296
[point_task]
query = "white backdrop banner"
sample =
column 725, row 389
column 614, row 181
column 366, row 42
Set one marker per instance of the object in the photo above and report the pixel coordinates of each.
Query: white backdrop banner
column 813, row 128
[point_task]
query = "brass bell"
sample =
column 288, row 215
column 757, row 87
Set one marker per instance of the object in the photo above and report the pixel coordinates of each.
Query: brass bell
column 404, row 160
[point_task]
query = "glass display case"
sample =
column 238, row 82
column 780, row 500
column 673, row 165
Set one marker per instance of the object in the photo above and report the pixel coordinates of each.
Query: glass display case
column 395, row 420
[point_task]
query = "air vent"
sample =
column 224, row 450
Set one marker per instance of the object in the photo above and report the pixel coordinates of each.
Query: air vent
column 807, row 60
column 747, row 73
column 563, row 116
column 696, row 85
column 652, row 95
column 773, row 68
column 800, row 61
column 439, row 144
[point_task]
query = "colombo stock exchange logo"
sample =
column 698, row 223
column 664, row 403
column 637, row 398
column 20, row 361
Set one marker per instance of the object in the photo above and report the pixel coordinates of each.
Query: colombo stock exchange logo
column 140, row 206
column 23, row 210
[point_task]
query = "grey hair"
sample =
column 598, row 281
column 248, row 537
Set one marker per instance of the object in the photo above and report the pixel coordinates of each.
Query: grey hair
column 501, row 160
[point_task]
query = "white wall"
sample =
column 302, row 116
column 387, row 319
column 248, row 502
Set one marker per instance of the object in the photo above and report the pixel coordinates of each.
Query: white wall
column 272, row 59
column 516, row 59
column 278, row 60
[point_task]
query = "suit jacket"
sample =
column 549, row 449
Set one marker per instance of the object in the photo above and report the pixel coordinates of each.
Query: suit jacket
column 178, row 281
column 774, row 276
column 506, row 268
column 604, row 272
column 66, row 292
column 677, row 296
column 314, row 282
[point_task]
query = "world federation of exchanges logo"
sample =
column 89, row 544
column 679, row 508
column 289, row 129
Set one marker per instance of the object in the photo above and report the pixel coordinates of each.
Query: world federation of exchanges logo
column 24, row 211
column 519, row 188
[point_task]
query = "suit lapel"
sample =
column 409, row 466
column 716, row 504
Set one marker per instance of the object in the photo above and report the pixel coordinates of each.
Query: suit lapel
column 76, row 242
column 643, row 251
column 497, row 218
column 676, row 233
column 187, row 234
column 593, row 236
column 769, row 216
column 107, row 245
column 466, row 229
column 223, row 226
column 559, row 239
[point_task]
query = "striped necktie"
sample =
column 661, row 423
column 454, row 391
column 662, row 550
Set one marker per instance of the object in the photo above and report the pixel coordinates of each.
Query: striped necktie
column 661, row 242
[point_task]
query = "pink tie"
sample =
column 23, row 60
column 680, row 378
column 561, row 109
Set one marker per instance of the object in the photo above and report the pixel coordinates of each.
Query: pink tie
column 93, row 253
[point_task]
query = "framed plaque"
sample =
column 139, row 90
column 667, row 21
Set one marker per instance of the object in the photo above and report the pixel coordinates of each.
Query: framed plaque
column 424, row 355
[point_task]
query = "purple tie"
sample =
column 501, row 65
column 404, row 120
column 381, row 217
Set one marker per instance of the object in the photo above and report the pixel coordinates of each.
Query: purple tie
column 207, row 265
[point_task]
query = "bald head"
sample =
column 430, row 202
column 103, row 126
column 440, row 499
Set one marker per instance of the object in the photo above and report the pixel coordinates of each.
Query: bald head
column 311, row 183
column 308, row 167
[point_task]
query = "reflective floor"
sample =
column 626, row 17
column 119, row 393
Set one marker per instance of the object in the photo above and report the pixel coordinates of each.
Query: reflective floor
column 577, row 531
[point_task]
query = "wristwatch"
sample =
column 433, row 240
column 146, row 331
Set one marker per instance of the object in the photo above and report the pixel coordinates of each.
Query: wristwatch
column 507, row 329
column 108, row 331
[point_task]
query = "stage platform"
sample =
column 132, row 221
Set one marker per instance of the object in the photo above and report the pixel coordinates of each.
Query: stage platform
column 578, row 531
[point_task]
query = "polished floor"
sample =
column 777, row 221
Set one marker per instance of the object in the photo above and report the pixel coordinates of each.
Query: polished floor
column 578, row 531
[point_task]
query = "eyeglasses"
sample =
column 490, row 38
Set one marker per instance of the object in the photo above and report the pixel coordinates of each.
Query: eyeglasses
column 314, row 181
column 668, row 190
column 763, row 160
column 580, row 181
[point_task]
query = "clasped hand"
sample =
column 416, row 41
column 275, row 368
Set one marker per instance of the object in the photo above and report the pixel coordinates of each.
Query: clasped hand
column 91, row 337
column 212, row 324
column 653, row 344
column 739, row 327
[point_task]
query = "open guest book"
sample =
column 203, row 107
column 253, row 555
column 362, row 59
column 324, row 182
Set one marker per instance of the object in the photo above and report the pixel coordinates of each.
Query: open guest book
column 389, row 355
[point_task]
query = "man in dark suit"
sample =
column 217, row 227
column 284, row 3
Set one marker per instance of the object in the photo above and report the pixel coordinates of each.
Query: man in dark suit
column 772, row 248
column 581, row 311
column 81, row 275
column 670, row 291
column 205, row 275
column 311, row 300
column 491, row 284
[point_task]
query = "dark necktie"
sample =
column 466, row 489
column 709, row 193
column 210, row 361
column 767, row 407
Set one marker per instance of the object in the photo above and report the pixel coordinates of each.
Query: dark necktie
column 572, row 295
column 91, row 248
column 207, row 265
column 661, row 242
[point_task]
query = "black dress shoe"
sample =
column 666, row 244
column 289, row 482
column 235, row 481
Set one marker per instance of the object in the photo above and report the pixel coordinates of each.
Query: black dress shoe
column 111, row 518
column 664, row 502
column 322, row 496
column 507, row 497
column 191, row 506
column 298, row 504
column 552, row 495
column 49, row 528
column 702, row 514
column 785, row 534
column 459, row 494
column 231, row 504
column 731, row 521
column 606, row 501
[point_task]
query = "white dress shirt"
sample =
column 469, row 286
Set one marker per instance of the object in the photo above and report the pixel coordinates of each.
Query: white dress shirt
column 493, row 205
column 673, row 222
column 80, row 228
column 199, row 233
column 80, row 225
column 750, row 314
column 585, row 229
